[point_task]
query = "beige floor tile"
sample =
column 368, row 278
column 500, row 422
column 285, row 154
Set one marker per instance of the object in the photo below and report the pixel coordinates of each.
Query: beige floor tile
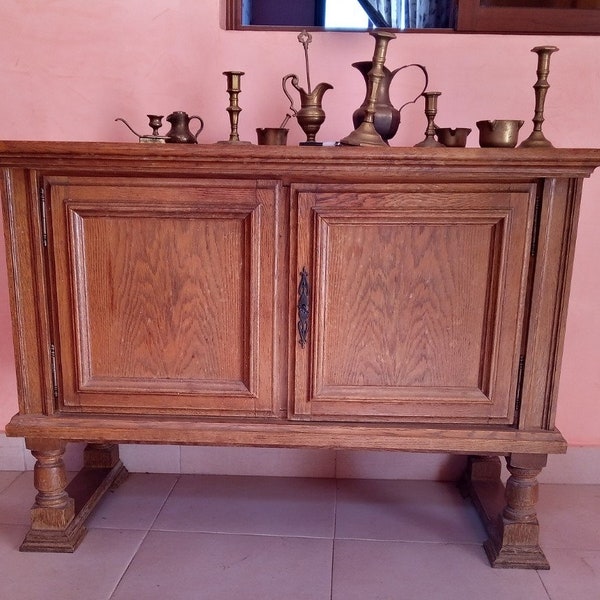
column 395, row 540
column 574, row 574
column 569, row 517
column 199, row 566
column 255, row 505
column 91, row 573
column 376, row 570
column 135, row 504
column 406, row 511
column 16, row 500
column 6, row 478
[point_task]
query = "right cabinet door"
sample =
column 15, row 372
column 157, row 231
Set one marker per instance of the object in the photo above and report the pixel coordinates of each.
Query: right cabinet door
column 410, row 301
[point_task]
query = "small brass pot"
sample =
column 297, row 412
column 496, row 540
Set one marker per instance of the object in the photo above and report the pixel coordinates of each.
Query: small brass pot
column 453, row 137
column 502, row 133
column 272, row 136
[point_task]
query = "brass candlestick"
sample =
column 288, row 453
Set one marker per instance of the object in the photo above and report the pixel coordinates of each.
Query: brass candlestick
column 430, row 113
column 366, row 134
column 537, row 138
column 233, row 89
column 155, row 122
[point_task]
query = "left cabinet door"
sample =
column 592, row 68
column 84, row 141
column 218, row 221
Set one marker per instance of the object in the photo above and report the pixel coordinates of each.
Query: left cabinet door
column 163, row 294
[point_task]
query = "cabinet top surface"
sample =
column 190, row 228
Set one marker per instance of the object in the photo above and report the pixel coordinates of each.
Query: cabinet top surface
column 264, row 161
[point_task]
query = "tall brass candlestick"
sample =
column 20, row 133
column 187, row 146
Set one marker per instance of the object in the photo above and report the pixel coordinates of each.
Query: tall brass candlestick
column 430, row 113
column 366, row 134
column 233, row 89
column 537, row 138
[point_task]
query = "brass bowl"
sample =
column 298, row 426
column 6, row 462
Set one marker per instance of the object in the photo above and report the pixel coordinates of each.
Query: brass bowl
column 453, row 137
column 501, row 133
column 272, row 136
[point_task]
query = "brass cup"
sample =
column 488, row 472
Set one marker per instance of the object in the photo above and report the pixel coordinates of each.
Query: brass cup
column 272, row 136
column 453, row 137
column 502, row 133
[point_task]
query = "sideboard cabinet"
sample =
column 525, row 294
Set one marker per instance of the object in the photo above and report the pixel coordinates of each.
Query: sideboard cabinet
column 397, row 299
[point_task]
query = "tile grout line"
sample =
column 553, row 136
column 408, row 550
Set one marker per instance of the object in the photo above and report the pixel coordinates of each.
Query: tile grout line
column 543, row 584
column 335, row 507
column 112, row 594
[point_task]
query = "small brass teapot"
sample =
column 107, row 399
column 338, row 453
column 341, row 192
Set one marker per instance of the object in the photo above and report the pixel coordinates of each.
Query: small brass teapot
column 180, row 132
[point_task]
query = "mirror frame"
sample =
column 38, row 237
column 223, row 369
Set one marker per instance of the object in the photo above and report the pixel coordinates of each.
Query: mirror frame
column 474, row 18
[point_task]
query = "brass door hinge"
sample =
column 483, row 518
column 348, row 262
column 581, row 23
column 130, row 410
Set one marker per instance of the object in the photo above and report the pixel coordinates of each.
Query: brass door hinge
column 537, row 212
column 43, row 207
column 520, row 377
column 54, row 372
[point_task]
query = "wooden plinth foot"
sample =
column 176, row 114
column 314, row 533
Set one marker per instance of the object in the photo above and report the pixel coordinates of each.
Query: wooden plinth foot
column 47, row 540
column 506, row 554
column 508, row 514
column 60, row 511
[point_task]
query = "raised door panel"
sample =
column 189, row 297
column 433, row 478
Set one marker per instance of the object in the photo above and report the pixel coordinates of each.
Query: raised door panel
column 164, row 295
column 416, row 302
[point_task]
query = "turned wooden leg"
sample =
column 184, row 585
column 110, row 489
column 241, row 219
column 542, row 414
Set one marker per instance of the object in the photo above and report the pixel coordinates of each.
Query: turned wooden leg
column 60, row 510
column 508, row 513
column 515, row 542
column 53, row 513
column 53, row 509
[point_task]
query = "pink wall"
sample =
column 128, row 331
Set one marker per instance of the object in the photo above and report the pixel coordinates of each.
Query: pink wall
column 69, row 67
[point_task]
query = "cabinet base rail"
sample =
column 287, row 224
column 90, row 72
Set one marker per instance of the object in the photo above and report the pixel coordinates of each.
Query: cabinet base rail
column 458, row 439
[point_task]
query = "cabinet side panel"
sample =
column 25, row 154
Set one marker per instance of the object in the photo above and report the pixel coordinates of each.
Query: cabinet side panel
column 553, row 268
column 26, row 276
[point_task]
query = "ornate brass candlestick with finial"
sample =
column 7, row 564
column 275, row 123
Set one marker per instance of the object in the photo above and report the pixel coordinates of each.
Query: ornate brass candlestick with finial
column 366, row 134
column 537, row 138
column 233, row 89
column 430, row 113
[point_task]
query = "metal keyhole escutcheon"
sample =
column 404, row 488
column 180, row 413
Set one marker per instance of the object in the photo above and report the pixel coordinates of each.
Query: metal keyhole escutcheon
column 303, row 313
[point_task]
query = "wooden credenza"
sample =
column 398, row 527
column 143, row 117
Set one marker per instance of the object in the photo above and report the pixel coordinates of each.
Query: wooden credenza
column 360, row 298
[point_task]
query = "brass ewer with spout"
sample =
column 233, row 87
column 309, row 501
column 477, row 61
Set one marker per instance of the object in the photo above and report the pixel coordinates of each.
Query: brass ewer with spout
column 366, row 134
column 311, row 115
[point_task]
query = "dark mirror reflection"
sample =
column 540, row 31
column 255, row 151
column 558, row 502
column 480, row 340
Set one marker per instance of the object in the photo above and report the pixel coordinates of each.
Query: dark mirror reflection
column 350, row 14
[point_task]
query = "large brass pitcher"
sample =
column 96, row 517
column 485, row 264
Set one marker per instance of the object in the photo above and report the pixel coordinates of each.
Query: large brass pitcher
column 387, row 117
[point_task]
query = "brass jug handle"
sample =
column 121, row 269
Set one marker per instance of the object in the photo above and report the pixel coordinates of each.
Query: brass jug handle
column 201, row 126
column 294, row 79
column 424, row 87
